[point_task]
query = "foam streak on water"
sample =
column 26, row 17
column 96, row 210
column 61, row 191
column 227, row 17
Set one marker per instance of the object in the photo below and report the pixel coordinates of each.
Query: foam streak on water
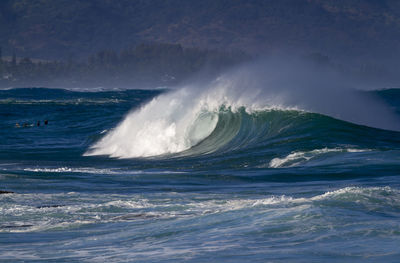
column 296, row 158
column 298, row 222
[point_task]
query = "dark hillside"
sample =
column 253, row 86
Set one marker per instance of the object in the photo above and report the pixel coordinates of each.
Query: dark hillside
column 72, row 28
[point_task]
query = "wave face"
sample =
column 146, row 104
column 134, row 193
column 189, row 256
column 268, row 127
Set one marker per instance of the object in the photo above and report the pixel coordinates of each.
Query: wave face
column 208, row 171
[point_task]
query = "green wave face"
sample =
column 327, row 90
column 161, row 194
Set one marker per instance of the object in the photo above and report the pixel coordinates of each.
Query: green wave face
column 286, row 139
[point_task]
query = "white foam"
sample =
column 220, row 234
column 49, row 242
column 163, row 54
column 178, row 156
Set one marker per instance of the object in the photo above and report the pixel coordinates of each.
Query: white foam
column 373, row 192
column 25, row 213
column 71, row 170
column 176, row 121
column 168, row 124
column 298, row 157
column 90, row 170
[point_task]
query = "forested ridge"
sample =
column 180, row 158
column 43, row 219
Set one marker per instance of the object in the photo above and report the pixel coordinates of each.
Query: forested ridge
column 101, row 41
column 76, row 28
column 144, row 64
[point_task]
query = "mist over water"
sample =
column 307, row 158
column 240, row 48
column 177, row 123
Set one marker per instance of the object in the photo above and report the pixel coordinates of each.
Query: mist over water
column 293, row 83
column 178, row 120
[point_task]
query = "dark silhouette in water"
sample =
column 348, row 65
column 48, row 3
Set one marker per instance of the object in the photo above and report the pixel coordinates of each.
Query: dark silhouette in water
column 49, row 206
column 26, row 124
column 6, row 192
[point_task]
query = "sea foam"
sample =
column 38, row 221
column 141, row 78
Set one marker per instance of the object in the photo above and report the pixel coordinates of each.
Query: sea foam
column 299, row 157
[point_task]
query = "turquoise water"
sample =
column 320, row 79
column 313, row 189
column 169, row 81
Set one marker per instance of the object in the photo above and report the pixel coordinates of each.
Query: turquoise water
column 146, row 176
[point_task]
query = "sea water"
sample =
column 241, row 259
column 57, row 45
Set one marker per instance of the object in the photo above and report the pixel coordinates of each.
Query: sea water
column 183, row 175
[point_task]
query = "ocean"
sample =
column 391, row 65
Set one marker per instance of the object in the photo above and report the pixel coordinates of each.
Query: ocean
column 184, row 175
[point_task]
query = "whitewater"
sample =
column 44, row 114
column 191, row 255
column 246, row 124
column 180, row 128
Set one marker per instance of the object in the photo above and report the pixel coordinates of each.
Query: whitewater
column 177, row 121
column 248, row 166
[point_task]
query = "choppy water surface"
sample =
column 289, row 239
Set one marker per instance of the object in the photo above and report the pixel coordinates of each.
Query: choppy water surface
column 158, row 176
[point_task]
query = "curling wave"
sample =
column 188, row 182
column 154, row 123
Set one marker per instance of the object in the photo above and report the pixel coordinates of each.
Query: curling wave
column 223, row 130
column 179, row 121
column 239, row 110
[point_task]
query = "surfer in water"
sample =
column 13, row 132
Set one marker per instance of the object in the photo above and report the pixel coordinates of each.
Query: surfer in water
column 26, row 124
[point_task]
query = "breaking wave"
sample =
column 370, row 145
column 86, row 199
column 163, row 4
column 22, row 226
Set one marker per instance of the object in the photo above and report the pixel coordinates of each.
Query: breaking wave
column 240, row 110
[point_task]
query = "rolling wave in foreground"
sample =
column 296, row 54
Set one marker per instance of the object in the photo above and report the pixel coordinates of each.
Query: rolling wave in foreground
column 208, row 172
